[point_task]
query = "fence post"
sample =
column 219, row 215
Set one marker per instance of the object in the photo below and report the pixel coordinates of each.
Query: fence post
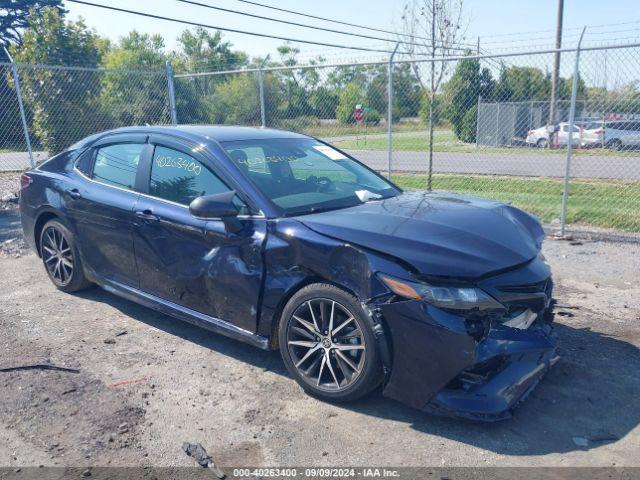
column 25, row 128
column 263, row 115
column 497, row 123
column 172, row 93
column 478, row 112
column 572, row 112
column 390, row 110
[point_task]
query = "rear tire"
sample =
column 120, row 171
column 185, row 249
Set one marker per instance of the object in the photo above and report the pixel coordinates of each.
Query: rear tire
column 60, row 257
column 542, row 143
column 615, row 144
column 328, row 344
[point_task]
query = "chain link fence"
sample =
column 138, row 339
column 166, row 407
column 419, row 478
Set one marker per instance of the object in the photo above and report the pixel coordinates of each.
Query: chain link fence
column 489, row 128
column 61, row 105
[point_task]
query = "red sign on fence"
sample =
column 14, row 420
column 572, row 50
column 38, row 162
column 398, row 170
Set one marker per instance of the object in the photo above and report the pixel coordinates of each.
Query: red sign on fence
column 358, row 115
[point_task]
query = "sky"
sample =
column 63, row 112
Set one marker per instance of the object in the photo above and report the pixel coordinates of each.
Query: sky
column 501, row 25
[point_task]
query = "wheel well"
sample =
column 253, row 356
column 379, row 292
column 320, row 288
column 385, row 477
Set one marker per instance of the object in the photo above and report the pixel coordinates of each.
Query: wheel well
column 37, row 229
column 277, row 314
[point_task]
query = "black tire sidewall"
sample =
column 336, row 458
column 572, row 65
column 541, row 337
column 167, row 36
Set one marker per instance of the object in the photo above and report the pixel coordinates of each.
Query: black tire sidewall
column 78, row 280
column 371, row 375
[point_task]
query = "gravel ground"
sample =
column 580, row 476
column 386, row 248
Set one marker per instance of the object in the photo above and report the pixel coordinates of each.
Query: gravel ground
column 146, row 383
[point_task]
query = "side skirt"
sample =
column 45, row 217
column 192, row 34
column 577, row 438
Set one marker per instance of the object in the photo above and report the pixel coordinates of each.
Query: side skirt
column 183, row 313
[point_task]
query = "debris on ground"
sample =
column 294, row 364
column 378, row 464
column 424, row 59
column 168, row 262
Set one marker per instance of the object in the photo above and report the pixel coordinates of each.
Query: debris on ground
column 129, row 382
column 120, row 332
column 39, row 366
column 200, row 455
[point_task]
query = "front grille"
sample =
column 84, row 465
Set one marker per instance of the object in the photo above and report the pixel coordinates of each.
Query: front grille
column 518, row 298
column 537, row 287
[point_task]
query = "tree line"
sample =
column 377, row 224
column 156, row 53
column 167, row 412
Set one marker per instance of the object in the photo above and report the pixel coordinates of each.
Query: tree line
column 64, row 105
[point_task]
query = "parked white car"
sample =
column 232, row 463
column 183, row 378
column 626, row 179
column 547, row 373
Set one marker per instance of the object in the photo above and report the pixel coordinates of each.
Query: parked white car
column 593, row 133
column 539, row 137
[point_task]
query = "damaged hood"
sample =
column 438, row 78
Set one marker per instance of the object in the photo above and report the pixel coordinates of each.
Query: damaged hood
column 438, row 234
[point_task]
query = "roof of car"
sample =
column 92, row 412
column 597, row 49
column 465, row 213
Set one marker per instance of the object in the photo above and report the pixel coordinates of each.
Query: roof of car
column 219, row 133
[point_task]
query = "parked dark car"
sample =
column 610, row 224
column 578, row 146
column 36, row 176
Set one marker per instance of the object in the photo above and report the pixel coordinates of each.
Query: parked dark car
column 283, row 241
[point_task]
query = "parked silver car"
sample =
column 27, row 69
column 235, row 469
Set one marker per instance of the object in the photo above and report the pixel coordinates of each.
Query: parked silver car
column 622, row 134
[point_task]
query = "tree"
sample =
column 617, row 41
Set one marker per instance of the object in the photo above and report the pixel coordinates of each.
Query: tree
column 467, row 84
column 237, row 101
column 406, row 91
column 201, row 51
column 431, row 28
column 518, row 84
column 62, row 101
column 16, row 16
column 350, row 96
column 132, row 98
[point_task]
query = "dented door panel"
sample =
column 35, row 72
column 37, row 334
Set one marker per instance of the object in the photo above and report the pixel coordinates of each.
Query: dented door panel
column 196, row 264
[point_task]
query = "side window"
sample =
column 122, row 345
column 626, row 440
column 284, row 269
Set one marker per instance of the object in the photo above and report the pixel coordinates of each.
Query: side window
column 180, row 178
column 84, row 162
column 117, row 164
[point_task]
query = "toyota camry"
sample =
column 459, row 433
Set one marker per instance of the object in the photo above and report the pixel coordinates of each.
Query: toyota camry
column 281, row 240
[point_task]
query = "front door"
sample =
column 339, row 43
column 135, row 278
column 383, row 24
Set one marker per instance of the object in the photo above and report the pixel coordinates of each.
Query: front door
column 193, row 262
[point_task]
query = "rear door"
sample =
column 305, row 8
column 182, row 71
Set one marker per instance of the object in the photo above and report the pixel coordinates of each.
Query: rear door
column 192, row 262
column 101, row 204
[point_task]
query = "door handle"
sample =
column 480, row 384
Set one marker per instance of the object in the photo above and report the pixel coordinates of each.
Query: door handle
column 74, row 193
column 147, row 215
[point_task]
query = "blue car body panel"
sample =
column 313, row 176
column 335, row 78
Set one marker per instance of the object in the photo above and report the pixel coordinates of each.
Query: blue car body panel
column 237, row 283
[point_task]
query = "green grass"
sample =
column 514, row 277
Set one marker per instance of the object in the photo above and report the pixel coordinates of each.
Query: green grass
column 605, row 204
column 445, row 141
column 338, row 129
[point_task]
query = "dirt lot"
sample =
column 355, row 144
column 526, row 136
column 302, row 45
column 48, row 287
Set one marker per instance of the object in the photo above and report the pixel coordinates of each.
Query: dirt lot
column 147, row 383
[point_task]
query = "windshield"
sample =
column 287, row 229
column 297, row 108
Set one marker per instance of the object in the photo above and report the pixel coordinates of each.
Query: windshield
column 302, row 175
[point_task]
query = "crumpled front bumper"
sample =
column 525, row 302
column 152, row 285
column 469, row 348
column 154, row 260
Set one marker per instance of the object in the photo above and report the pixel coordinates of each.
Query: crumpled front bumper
column 516, row 361
column 438, row 366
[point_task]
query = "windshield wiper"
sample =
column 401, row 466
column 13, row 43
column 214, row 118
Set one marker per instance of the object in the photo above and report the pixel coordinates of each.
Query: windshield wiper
column 311, row 210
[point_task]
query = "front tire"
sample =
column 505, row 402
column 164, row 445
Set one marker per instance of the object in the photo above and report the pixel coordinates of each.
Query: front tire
column 328, row 344
column 60, row 257
column 542, row 143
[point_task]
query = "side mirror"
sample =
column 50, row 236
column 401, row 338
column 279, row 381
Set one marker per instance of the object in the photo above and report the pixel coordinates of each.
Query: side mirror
column 219, row 205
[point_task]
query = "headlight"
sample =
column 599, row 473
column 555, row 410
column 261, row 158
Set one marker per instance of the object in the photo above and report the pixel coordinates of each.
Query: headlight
column 451, row 298
column 543, row 259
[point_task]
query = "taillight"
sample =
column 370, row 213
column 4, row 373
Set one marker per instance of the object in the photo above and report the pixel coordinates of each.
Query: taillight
column 25, row 181
column 599, row 131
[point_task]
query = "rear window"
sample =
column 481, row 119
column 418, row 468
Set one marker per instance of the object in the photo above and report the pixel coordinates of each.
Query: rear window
column 117, row 165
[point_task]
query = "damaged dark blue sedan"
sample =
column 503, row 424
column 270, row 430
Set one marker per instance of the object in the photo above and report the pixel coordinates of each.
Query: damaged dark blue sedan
column 285, row 242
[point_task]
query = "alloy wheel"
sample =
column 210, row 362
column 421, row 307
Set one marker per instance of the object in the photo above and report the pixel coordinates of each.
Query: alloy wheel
column 57, row 256
column 326, row 344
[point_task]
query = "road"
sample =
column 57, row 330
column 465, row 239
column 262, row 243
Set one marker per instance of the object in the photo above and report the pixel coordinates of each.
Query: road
column 520, row 164
column 16, row 161
column 139, row 395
